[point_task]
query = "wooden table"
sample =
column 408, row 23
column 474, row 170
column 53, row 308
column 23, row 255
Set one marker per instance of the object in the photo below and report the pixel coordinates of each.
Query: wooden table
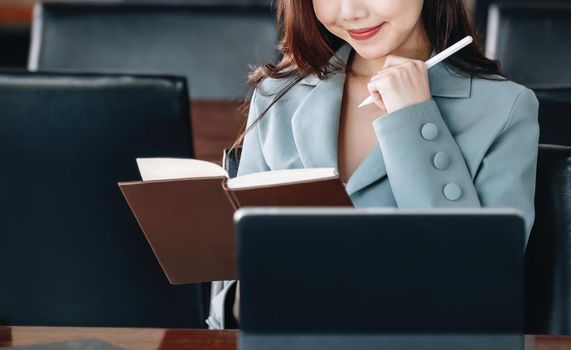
column 127, row 338
column 177, row 339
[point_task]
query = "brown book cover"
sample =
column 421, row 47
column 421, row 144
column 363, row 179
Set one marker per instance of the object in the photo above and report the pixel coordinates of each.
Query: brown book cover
column 189, row 222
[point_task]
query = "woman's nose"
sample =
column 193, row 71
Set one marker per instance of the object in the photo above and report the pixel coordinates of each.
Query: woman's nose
column 351, row 10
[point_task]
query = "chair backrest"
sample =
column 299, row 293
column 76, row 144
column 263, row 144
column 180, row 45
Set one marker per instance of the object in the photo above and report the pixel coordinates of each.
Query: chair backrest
column 548, row 253
column 481, row 9
column 213, row 46
column 531, row 39
column 72, row 252
column 15, row 45
column 555, row 116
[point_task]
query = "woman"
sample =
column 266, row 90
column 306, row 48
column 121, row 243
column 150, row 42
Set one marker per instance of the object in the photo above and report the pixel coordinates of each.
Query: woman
column 459, row 135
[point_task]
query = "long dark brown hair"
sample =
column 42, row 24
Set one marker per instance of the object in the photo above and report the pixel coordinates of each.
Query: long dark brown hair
column 307, row 46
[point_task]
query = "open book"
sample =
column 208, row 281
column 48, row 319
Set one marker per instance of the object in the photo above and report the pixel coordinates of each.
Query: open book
column 185, row 208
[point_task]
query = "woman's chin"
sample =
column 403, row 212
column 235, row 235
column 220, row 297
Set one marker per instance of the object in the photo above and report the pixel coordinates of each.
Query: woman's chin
column 372, row 52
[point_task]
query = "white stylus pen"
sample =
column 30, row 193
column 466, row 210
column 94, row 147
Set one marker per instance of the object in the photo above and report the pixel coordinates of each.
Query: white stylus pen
column 433, row 61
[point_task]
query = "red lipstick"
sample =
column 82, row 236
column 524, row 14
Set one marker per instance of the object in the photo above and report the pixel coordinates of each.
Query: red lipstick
column 364, row 33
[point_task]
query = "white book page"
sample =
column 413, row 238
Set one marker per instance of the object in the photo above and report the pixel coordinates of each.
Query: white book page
column 280, row 177
column 153, row 169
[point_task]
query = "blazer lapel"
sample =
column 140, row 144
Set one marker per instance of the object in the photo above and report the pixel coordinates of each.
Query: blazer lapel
column 369, row 171
column 315, row 123
column 446, row 82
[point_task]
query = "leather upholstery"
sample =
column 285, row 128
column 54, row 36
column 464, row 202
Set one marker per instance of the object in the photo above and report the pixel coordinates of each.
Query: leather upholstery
column 555, row 115
column 482, row 7
column 212, row 46
column 548, row 254
column 72, row 252
column 15, row 45
column 531, row 41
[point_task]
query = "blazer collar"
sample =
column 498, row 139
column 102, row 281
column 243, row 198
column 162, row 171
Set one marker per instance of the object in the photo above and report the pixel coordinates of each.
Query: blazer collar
column 315, row 123
column 446, row 82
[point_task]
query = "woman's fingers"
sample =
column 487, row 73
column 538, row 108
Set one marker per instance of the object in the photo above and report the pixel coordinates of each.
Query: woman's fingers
column 381, row 104
column 378, row 80
column 380, row 74
column 399, row 83
column 403, row 82
column 374, row 92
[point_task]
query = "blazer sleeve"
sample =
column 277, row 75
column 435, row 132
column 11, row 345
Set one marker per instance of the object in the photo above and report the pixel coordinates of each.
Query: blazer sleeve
column 252, row 159
column 426, row 168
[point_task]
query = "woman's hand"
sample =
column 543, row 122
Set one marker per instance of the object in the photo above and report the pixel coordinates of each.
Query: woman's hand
column 401, row 83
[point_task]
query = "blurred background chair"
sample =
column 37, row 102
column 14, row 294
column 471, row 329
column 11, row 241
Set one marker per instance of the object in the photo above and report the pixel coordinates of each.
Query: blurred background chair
column 481, row 8
column 15, row 18
column 212, row 45
column 555, row 115
column 531, row 39
column 548, row 253
column 72, row 252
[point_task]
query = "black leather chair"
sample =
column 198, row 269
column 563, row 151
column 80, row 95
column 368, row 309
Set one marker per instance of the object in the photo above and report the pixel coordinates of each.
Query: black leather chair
column 482, row 7
column 15, row 45
column 548, row 253
column 531, row 39
column 555, row 115
column 212, row 46
column 72, row 251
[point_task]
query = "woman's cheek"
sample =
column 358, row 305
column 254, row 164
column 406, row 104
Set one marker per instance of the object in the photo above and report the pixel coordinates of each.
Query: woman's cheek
column 326, row 11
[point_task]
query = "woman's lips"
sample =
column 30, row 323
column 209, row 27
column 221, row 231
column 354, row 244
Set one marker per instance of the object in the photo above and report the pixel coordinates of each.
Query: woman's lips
column 365, row 33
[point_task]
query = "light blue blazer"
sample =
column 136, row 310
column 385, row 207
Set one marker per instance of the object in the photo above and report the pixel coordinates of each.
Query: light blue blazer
column 473, row 145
